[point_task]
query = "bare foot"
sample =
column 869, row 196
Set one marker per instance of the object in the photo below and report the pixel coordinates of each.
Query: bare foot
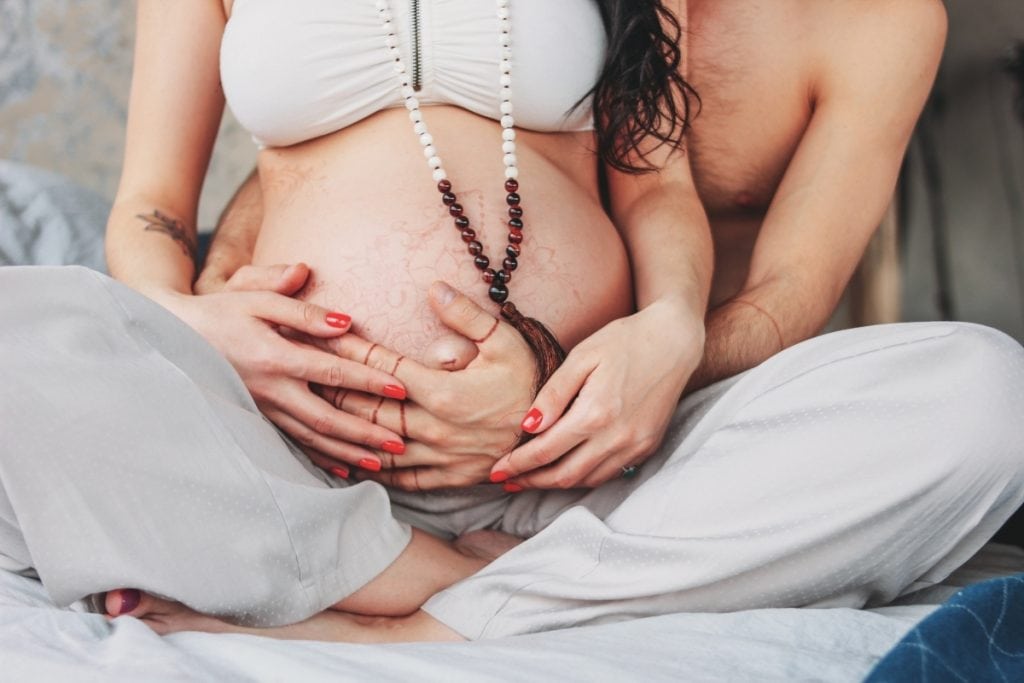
column 486, row 545
column 164, row 617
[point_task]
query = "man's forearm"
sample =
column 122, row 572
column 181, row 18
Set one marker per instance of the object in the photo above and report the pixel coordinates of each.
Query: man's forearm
column 235, row 237
column 750, row 328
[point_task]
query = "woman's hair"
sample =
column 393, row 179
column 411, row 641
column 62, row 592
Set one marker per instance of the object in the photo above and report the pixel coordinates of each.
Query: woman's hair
column 641, row 92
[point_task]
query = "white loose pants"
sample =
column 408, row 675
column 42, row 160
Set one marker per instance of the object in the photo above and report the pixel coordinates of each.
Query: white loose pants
column 847, row 470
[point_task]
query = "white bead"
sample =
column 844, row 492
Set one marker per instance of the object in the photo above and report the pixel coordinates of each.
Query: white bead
column 434, row 162
column 507, row 121
column 419, row 127
column 509, row 134
column 506, row 53
column 506, row 66
column 381, row 5
column 510, row 159
column 512, row 172
column 505, row 26
column 389, row 27
column 506, row 80
column 503, row 12
column 399, row 67
column 439, row 175
column 426, row 139
column 506, row 107
column 508, row 147
column 415, row 116
column 505, row 39
column 412, row 103
column 391, row 40
column 408, row 92
column 386, row 15
column 429, row 151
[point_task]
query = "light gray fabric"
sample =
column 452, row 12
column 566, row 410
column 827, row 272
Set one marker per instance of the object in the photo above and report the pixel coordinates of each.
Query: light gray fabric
column 848, row 470
column 39, row 642
column 46, row 219
column 133, row 456
column 845, row 471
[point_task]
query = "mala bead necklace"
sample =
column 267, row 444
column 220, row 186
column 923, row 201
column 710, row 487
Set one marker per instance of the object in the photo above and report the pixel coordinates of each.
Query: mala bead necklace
column 542, row 342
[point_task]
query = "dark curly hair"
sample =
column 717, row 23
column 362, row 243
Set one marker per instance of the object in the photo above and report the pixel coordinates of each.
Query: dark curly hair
column 640, row 92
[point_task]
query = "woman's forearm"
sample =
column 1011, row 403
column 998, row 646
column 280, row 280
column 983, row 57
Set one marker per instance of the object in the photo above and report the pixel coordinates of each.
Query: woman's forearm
column 150, row 247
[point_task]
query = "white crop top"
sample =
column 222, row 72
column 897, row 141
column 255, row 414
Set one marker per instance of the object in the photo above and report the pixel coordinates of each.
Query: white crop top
column 293, row 71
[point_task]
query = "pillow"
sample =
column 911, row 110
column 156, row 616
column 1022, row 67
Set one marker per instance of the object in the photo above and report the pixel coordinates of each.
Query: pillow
column 46, row 219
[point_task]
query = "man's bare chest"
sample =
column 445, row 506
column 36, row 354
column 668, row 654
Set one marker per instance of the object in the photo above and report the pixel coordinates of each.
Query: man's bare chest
column 750, row 70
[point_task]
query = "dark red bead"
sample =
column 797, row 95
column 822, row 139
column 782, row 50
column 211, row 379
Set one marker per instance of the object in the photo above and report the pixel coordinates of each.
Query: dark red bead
column 475, row 248
column 515, row 237
column 510, row 263
column 515, row 212
column 504, row 276
column 511, row 185
column 468, row 235
column 513, row 250
column 455, row 209
column 498, row 292
column 448, row 198
column 489, row 275
column 461, row 222
column 481, row 262
column 515, row 223
column 513, row 199
column 444, row 186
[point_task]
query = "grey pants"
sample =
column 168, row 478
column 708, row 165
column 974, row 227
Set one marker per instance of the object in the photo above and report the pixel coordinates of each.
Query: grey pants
column 847, row 470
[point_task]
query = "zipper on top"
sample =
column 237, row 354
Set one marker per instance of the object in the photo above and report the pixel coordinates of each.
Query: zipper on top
column 417, row 48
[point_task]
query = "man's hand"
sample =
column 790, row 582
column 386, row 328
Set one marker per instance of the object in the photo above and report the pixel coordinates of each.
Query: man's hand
column 458, row 422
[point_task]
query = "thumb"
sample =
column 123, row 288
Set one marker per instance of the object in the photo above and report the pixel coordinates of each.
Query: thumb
column 282, row 279
column 461, row 314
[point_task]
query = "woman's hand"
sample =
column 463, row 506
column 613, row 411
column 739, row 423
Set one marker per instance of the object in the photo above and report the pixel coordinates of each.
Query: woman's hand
column 243, row 326
column 458, row 422
column 608, row 406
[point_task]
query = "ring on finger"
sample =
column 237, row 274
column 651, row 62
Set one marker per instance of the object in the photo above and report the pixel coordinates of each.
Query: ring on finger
column 629, row 471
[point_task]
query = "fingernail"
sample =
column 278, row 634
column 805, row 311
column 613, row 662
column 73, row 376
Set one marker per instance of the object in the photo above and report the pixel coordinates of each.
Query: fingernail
column 393, row 447
column 370, row 464
column 338, row 320
column 340, row 472
column 532, row 420
column 394, row 391
column 498, row 477
column 512, row 487
column 130, row 599
column 442, row 293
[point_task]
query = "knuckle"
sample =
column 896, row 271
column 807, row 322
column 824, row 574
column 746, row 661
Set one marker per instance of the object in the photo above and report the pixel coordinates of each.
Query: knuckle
column 335, row 375
column 310, row 313
column 322, row 424
column 565, row 481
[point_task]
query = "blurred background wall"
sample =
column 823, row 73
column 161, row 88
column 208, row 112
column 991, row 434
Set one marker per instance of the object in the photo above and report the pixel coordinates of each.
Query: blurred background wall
column 65, row 70
column 65, row 67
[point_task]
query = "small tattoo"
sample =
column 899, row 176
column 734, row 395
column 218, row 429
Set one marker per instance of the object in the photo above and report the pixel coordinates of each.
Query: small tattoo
column 175, row 229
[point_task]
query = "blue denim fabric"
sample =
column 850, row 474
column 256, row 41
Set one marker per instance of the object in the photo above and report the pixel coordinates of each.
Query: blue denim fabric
column 976, row 636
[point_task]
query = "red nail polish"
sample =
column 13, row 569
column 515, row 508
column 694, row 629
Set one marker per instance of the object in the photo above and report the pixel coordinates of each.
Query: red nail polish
column 498, row 477
column 395, row 391
column 393, row 447
column 338, row 320
column 130, row 599
column 512, row 487
column 370, row 464
column 340, row 472
column 532, row 420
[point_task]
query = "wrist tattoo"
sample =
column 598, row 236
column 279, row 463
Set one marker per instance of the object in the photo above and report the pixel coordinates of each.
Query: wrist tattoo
column 175, row 229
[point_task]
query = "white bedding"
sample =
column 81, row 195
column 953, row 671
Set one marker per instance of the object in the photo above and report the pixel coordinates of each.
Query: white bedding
column 39, row 642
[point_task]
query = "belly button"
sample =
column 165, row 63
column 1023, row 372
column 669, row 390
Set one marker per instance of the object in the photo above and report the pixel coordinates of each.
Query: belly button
column 746, row 200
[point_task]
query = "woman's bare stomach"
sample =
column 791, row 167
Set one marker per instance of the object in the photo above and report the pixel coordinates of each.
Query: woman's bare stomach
column 360, row 208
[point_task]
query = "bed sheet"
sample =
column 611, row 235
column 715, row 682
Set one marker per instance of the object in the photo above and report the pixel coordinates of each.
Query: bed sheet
column 39, row 642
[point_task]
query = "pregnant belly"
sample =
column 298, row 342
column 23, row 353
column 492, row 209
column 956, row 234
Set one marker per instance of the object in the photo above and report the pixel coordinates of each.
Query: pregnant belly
column 360, row 208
